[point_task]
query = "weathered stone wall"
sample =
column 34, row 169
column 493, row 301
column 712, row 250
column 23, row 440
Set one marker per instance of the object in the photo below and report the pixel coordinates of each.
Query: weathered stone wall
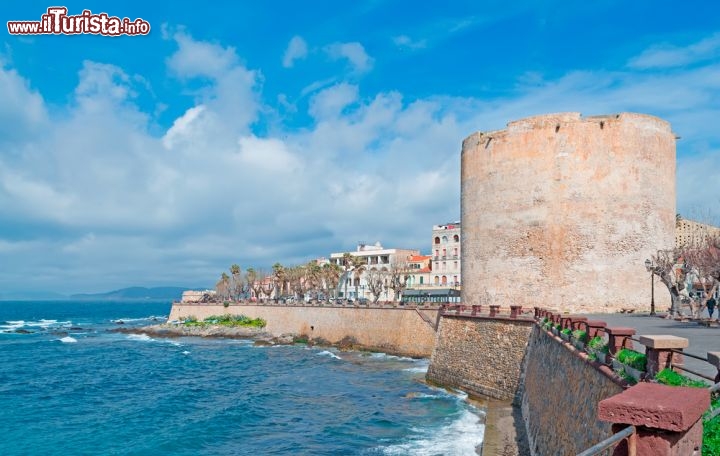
column 560, row 397
column 391, row 330
column 482, row 356
column 562, row 210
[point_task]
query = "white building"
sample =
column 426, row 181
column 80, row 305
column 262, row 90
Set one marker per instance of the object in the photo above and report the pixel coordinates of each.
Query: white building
column 375, row 257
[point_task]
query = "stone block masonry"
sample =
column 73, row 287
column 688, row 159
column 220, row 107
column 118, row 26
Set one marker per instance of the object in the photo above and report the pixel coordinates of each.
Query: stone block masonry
column 482, row 356
column 400, row 331
column 560, row 397
column 562, row 210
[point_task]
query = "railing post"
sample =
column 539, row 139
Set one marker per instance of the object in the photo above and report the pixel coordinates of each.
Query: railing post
column 617, row 339
column 658, row 351
column 714, row 359
column 494, row 310
column 668, row 419
column 594, row 328
column 476, row 309
column 575, row 322
column 515, row 311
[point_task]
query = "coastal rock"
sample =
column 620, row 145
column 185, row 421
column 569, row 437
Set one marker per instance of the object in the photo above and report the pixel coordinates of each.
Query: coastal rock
column 22, row 331
column 173, row 330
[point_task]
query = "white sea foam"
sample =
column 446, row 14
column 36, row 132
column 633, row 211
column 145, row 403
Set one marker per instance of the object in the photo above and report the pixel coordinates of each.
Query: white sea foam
column 421, row 366
column 68, row 340
column 12, row 325
column 460, row 437
column 141, row 337
column 186, row 352
column 418, row 370
column 329, row 353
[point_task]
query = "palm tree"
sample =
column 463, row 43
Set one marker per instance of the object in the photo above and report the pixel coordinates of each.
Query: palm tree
column 331, row 273
column 251, row 280
column 359, row 266
column 237, row 283
column 279, row 278
column 222, row 287
column 347, row 261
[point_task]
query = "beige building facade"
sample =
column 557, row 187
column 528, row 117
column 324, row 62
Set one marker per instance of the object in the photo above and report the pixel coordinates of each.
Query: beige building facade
column 691, row 234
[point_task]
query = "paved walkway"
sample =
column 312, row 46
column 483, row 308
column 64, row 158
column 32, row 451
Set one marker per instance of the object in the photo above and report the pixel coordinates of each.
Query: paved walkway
column 702, row 339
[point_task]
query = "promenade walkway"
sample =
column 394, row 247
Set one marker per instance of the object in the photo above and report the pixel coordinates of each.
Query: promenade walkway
column 702, row 339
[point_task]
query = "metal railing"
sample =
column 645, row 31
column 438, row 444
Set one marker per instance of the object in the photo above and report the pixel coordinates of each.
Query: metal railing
column 609, row 443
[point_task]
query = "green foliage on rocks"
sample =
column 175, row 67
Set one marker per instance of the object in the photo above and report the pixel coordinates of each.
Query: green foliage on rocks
column 226, row 320
column 566, row 331
column 632, row 358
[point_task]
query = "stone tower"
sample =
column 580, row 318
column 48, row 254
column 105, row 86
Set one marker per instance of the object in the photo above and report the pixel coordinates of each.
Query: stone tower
column 561, row 211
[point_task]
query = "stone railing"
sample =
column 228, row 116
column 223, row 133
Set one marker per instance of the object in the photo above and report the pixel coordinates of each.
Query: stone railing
column 668, row 419
column 486, row 311
column 327, row 304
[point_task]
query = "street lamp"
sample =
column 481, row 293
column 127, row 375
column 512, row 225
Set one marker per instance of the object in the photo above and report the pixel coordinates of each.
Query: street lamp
column 650, row 266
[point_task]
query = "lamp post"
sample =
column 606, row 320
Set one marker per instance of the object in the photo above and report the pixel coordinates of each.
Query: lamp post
column 650, row 266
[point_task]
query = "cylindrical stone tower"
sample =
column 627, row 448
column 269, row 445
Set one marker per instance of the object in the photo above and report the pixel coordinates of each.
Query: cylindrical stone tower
column 561, row 211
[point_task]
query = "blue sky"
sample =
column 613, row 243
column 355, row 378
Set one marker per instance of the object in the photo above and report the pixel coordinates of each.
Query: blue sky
column 284, row 131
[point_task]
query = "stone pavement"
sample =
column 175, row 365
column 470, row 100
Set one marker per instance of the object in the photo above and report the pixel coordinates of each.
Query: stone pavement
column 702, row 339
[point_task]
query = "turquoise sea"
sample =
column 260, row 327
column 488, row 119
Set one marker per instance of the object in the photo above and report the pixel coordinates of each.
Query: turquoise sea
column 69, row 386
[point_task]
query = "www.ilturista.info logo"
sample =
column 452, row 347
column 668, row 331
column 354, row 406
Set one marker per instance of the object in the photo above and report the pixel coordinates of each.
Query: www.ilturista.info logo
column 57, row 22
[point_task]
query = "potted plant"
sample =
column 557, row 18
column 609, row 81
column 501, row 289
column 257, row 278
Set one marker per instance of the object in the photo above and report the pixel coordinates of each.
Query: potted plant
column 669, row 377
column 631, row 362
column 597, row 347
column 579, row 339
column 565, row 334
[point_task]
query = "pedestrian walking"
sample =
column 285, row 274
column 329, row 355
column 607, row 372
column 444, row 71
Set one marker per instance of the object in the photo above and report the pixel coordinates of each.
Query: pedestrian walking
column 711, row 306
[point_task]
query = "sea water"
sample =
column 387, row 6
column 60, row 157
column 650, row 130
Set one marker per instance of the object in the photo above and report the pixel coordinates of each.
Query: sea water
column 71, row 386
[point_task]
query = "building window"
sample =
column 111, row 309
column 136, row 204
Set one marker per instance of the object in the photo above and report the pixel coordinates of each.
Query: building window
column 456, row 238
column 444, row 252
column 455, row 251
column 437, row 240
column 444, row 239
column 455, row 280
column 437, row 252
column 444, row 266
column 421, row 280
column 437, row 280
column 444, row 280
column 455, row 265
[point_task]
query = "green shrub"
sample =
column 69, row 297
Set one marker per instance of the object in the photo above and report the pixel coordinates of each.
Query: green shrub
column 580, row 335
column 566, row 331
column 229, row 321
column 627, row 377
column 711, row 431
column 598, row 343
column 670, row 377
column 632, row 358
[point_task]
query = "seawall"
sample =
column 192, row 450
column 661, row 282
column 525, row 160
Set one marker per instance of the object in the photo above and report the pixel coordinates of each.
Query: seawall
column 560, row 396
column 480, row 355
column 394, row 330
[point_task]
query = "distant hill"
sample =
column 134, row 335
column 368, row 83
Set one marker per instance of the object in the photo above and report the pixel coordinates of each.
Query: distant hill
column 31, row 296
column 135, row 293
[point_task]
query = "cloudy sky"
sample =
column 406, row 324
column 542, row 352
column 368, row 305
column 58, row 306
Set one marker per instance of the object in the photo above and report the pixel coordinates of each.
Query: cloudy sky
column 283, row 131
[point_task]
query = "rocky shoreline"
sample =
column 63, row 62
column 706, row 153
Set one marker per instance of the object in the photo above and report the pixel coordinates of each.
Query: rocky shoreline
column 258, row 335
